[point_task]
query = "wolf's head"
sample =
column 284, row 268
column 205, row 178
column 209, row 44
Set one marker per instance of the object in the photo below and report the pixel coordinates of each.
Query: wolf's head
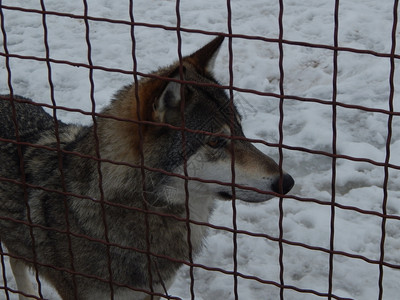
column 193, row 129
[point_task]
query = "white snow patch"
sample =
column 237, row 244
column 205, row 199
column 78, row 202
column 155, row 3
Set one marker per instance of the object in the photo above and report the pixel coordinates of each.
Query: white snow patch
column 362, row 80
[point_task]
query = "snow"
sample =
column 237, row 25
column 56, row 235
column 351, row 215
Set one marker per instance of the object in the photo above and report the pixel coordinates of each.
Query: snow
column 363, row 79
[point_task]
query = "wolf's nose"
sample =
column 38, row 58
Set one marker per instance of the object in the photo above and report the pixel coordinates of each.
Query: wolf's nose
column 287, row 184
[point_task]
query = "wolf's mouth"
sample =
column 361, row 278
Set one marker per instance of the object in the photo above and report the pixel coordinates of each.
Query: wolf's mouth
column 225, row 195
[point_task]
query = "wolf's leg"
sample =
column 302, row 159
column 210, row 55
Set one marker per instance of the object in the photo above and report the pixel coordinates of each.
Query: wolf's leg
column 148, row 297
column 161, row 289
column 21, row 276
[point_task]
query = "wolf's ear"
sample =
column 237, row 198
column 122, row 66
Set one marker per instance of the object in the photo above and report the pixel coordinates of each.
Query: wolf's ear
column 168, row 102
column 167, row 106
column 204, row 58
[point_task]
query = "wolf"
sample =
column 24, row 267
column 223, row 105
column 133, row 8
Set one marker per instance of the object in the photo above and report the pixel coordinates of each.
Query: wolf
column 112, row 210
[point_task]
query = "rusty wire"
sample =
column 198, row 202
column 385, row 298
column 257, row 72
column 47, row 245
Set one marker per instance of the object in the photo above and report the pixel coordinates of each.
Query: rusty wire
column 282, row 96
column 280, row 127
column 56, row 131
column 388, row 142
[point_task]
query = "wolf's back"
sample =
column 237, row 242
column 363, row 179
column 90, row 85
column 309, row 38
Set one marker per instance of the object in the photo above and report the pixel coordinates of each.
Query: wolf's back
column 31, row 121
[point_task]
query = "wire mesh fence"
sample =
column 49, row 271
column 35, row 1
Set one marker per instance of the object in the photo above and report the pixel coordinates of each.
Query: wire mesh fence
column 116, row 208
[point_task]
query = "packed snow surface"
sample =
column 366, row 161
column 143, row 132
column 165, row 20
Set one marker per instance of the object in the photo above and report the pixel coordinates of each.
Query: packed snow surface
column 362, row 80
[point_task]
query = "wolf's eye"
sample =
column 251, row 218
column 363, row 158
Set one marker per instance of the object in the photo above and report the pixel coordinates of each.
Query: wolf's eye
column 216, row 142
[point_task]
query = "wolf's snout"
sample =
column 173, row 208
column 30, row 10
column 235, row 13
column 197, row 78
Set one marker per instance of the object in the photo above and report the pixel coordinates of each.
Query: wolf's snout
column 287, row 184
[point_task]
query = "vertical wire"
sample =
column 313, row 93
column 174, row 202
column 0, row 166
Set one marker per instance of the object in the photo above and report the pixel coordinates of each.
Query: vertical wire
column 20, row 154
column 141, row 152
column 97, row 148
column 3, row 266
column 186, row 183
column 334, row 147
column 58, row 146
column 388, row 142
column 281, row 115
column 232, row 150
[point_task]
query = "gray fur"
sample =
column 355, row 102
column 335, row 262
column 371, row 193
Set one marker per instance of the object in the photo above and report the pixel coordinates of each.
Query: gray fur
column 118, row 191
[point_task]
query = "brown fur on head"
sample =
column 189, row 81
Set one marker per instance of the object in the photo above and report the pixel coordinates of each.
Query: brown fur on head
column 148, row 97
column 150, row 89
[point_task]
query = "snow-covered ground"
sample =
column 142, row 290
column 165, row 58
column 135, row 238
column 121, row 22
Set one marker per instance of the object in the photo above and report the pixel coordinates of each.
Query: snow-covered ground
column 363, row 79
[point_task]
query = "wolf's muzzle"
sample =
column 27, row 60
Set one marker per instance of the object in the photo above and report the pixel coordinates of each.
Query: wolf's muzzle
column 287, row 184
